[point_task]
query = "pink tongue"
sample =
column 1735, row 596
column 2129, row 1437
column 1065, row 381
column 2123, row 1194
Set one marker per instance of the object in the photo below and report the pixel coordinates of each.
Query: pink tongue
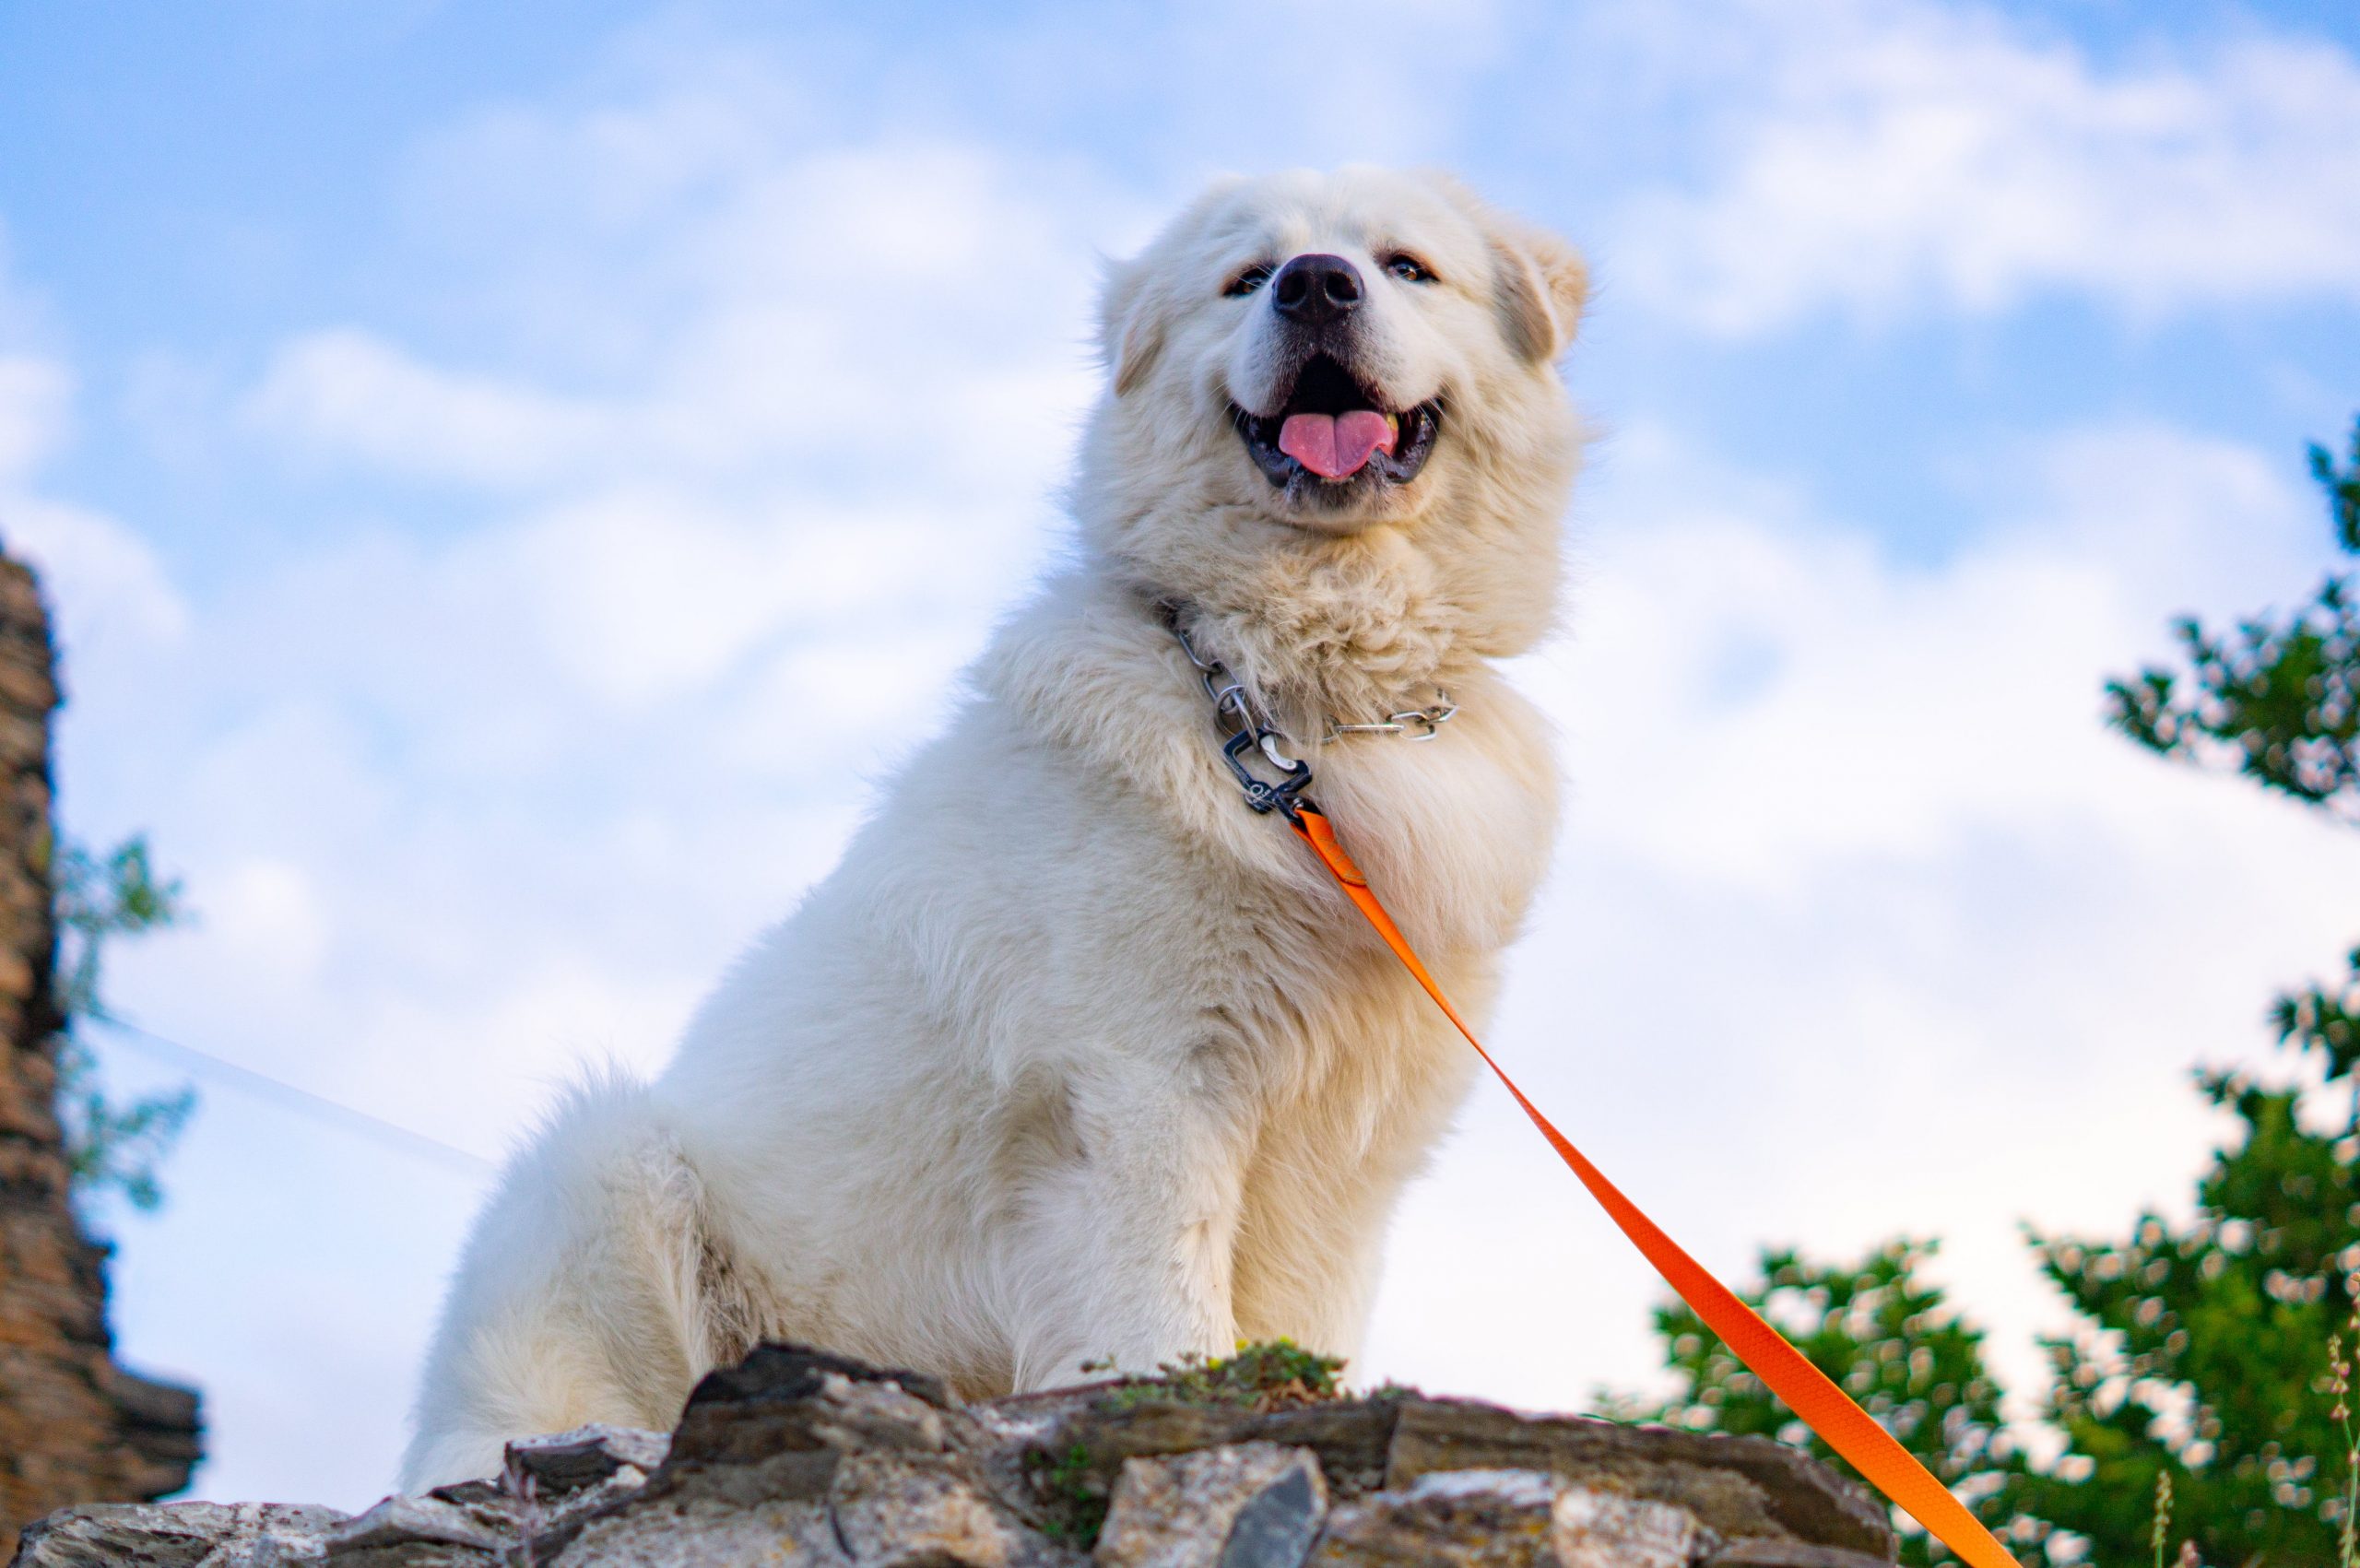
column 1332, row 445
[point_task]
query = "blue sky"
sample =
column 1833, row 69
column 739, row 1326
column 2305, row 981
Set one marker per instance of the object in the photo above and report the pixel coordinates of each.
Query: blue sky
column 512, row 478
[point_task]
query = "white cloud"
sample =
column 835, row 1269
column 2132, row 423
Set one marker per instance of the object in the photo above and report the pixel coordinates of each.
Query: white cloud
column 1881, row 155
column 107, row 587
column 34, row 393
column 349, row 393
column 266, row 924
column 109, row 591
column 769, row 315
column 638, row 596
column 1930, row 695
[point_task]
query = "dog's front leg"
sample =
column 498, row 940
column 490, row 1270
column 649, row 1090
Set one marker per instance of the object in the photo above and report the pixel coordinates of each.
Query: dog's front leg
column 1123, row 1251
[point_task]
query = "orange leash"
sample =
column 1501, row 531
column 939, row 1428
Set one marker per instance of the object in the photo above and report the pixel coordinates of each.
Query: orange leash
column 1808, row 1391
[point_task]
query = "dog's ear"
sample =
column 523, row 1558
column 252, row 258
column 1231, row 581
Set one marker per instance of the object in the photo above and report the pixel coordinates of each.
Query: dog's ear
column 1130, row 324
column 1543, row 285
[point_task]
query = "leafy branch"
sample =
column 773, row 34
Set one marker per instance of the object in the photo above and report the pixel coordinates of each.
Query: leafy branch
column 110, row 1144
column 2279, row 698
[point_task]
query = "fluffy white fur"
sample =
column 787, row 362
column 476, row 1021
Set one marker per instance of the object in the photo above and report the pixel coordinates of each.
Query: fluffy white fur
column 1074, row 1056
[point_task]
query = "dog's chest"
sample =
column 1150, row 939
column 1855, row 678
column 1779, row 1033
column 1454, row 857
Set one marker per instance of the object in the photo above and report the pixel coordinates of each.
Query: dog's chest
column 1455, row 832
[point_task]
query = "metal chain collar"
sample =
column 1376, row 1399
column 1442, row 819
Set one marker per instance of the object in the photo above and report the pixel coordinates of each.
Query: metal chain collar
column 1235, row 702
column 1427, row 721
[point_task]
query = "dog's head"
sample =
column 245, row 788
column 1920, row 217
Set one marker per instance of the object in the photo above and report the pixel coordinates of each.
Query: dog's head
column 1333, row 353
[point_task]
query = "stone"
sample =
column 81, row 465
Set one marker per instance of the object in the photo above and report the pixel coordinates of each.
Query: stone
column 412, row 1532
column 779, row 1374
column 547, row 1522
column 1736, row 1487
column 180, row 1535
column 1600, row 1529
column 1241, row 1506
column 896, row 1471
column 1461, row 1519
column 1511, row 1519
column 796, row 1456
column 697, row 1533
column 894, row 1512
column 1277, row 1525
column 779, row 1422
column 565, row 1462
column 1760, row 1551
column 1352, row 1437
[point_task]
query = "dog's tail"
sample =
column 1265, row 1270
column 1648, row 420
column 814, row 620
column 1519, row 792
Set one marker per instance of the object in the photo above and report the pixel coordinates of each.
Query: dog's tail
column 579, row 1296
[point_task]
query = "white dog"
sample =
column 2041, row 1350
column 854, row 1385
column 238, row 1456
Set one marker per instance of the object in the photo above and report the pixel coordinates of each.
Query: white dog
column 1075, row 1056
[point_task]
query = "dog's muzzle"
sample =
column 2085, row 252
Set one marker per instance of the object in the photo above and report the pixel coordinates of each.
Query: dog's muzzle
column 1332, row 431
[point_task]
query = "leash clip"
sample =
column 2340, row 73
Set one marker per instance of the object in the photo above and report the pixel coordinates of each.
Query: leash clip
column 1233, row 703
column 1261, row 796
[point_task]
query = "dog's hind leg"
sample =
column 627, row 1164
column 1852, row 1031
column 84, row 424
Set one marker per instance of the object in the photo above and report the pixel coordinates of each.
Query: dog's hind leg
column 580, row 1297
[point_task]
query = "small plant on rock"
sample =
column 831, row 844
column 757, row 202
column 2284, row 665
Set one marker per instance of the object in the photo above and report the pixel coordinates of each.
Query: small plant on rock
column 1076, row 1492
column 1276, row 1374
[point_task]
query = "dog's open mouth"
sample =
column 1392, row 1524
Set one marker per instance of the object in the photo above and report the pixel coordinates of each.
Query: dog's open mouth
column 1332, row 430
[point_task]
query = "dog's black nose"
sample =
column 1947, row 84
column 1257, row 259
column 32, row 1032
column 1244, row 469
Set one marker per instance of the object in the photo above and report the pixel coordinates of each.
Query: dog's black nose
column 1315, row 289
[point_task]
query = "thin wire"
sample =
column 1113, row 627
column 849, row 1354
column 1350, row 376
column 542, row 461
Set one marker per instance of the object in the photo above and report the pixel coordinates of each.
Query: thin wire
column 302, row 1101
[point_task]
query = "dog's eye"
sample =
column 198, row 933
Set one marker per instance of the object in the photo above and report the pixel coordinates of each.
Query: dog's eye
column 1246, row 282
column 1409, row 268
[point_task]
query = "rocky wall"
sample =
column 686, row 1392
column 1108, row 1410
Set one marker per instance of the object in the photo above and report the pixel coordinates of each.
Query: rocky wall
column 75, row 1427
column 801, row 1458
